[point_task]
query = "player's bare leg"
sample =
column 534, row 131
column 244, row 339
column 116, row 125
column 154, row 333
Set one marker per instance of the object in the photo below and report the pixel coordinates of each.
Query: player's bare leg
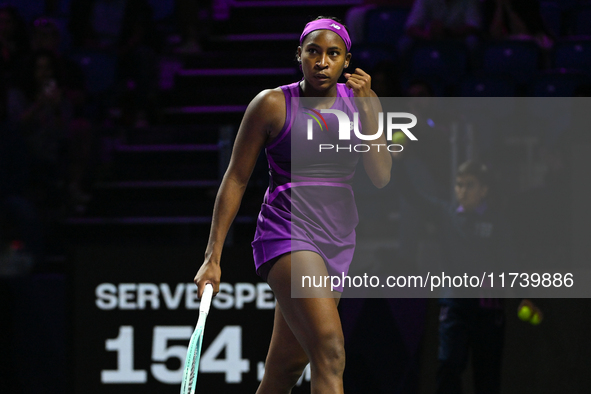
column 285, row 361
column 305, row 329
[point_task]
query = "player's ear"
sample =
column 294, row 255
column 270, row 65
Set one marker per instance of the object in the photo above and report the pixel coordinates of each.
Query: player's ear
column 348, row 59
column 299, row 54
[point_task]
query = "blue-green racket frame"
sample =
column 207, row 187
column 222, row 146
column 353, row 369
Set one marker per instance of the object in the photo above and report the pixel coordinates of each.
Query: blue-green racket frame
column 194, row 350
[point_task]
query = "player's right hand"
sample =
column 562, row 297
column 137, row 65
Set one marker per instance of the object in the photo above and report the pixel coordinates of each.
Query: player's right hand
column 209, row 272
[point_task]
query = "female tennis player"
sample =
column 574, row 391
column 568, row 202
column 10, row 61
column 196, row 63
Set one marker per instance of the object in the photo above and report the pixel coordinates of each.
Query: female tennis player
column 308, row 216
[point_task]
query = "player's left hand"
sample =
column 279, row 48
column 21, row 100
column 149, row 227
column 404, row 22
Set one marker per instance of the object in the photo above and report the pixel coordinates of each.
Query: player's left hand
column 359, row 82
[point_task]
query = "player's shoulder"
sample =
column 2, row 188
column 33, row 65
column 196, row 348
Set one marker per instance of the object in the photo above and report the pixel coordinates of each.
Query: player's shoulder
column 273, row 96
column 268, row 107
column 269, row 100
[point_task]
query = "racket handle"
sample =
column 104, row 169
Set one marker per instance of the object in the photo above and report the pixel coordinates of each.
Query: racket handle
column 206, row 299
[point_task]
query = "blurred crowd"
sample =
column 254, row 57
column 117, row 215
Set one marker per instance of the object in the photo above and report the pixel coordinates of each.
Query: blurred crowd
column 480, row 48
column 64, row 75
column 395, row 31
column 69, row 70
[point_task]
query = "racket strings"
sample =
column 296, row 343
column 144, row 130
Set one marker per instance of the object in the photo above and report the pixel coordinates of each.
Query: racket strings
column 194, row 367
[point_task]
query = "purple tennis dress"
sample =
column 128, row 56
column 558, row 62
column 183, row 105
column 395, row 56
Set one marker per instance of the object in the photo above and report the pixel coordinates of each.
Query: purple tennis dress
column 309, row 204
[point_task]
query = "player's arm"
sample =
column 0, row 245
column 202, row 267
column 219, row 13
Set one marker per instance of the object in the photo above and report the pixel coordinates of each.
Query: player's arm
column 377, row 162
column 263, row 118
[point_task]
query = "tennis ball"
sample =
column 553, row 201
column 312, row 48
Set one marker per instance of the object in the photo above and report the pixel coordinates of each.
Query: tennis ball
column 536, row 319
column 524, row 313
column 399, row 138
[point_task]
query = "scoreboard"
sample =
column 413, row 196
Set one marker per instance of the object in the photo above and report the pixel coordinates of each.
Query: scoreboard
column 134, row 309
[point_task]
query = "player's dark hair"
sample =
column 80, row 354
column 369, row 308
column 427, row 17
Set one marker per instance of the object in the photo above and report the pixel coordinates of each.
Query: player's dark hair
column 478, row 170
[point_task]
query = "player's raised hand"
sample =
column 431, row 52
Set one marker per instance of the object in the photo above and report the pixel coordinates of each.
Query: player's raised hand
column 359, row 82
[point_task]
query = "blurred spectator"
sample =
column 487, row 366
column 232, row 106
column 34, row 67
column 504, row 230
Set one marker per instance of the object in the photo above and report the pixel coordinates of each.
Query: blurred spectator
column 193, row 18
column 124, row 28
column 355, row 17
column 43, row 116
column 138, row 64
column 440, row 19
column 13, row 171
column 14, row 40
column 46, row 36
column 96, row 24
column 18, row 218
column 38, row 106
column 475, row 236
column 419, row 88
column 517, row 19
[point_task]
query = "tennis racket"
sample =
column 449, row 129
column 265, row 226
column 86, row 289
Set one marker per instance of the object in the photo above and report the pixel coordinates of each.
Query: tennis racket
column 194, row 349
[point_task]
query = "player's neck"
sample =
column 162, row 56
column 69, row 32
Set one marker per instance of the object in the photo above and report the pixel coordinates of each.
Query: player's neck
column 309, row 91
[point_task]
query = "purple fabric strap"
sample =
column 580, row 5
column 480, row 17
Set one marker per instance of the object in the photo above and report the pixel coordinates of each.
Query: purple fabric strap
column 327, row 24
